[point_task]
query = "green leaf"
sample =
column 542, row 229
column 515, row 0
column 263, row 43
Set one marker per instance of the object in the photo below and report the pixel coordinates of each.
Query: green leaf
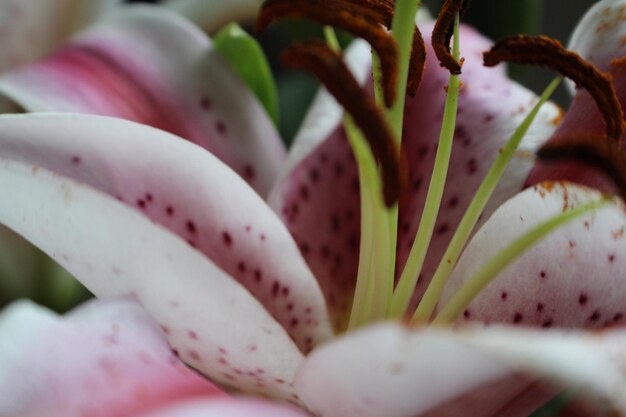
column 248, row 60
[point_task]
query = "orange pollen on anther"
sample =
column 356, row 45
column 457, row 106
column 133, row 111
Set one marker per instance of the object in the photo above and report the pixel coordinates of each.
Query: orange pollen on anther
column 328, row 66
column 549, row 53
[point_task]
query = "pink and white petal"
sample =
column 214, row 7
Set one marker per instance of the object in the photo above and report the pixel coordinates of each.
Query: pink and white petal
column 214, row 324
column 321, row 167
column 187, row 190
column 108, row 358
column 571, row 278
column 211, row 15
column 151, row 66
column 490, row 108
column 591, row 362
column 227, row 408
column 395, row 371
column 599, row 35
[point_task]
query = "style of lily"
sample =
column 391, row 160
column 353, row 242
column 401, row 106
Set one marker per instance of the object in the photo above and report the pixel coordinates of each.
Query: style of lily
column 264, row 306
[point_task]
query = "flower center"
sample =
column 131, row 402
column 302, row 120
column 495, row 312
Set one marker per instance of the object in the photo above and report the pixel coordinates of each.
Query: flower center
column 374, row 127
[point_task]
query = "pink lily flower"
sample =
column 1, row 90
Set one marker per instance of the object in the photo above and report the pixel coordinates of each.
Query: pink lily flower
column 256, row 298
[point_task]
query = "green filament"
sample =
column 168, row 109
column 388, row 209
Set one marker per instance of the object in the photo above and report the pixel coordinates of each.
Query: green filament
column 402, row 28
column 499, row 262
column 476, row 207
column 410, row 274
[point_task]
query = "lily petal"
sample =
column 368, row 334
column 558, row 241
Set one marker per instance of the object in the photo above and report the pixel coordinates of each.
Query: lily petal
column 226, row 408
column 572, row 278
column 107, row 358
column 490, row 108
column 320, row 167
column 151, row 66
column 212, row 321
column 212, row 15
column 396, row 371
column 187, row 190
column 32, row 28
column 599, row 35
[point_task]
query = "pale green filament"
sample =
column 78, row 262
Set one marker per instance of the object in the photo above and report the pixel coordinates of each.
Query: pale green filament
column 499, row 262
column 414, row 264
column 369, row 300
column 402, row 28
column 476, row 207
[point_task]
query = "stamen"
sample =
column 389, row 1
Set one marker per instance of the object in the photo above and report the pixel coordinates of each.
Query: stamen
column 442, row 33
column 329, row 68
column 489, row 271
column 600, row 152
column 549, row 53
column 346, row 15
column 470, row 218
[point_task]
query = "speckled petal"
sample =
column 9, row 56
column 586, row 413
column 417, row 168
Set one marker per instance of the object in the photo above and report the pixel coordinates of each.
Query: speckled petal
column 211, row 320
column 317, row 195
column 107, row 358
column 213, row 14
column 227, row 408
column 31, row 28
column 186, row 190
column 571, row 278
column 151, row 66
column 490, row 109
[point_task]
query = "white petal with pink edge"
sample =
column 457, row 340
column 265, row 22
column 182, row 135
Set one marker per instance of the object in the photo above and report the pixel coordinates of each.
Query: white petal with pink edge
column 213, row 322
column 389, row 370
column 186, row 190
column 107, row 358
column 572, row 278
column 396, row 371
column 227, row 408
column 599, row 35
column 152, row 66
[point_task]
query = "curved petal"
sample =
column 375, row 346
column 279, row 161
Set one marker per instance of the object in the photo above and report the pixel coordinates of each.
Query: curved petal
column 213, row 14
column 490, row 109
column 321, row 167
column 213, row 322
column 599, row 36
column 396, row 371
column 185, row 189
column 226, row 408
column 108, row 358
column 154, row 67
column 572, row 278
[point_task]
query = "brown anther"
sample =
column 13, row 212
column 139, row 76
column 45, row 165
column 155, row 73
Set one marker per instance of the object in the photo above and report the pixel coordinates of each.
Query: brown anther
column 385, row 11
column 600, row 152
column 442, row 33
column 549, row 53
column 348, row 16
column 328, row 66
